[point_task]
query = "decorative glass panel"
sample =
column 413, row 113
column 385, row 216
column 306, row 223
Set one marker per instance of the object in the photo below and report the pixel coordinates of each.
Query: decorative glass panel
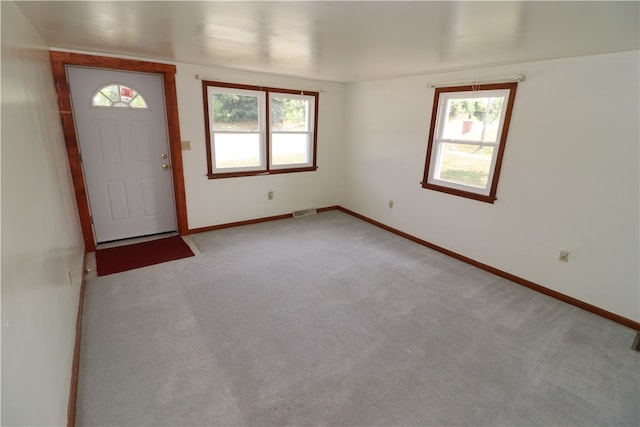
column 100, row 100
column 118, row 95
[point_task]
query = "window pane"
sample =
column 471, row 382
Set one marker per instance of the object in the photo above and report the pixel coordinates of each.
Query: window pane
column 111, row 92
column 138, row 102
column 101, row 101
column 288, row 148
column 465, row 164
column 289, row 114
column 473, row 119
column 126, row 93
column 233, row 150
column 234, row 112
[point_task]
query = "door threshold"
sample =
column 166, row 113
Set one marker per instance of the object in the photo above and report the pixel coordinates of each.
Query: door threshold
column 133, row 240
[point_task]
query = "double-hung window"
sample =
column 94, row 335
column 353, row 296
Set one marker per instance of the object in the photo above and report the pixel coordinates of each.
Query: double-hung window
column 255, row 130
column 469, row 127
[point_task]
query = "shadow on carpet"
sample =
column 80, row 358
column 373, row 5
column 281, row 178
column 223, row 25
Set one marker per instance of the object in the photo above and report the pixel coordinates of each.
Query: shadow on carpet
column 123, row 258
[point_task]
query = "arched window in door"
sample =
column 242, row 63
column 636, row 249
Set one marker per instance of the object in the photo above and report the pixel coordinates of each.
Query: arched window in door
column 118, row 95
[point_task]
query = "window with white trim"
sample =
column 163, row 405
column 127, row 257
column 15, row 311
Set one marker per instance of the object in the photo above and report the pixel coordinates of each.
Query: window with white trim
column 255, row 130
column 469, row 127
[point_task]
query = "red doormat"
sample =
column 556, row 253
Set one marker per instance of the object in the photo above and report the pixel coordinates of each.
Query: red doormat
column 123, row 258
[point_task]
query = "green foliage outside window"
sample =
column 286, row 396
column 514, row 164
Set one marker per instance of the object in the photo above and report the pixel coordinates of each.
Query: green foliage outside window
column 288, row 112
column 242, row 112
column 230, row 108
column 470, row 107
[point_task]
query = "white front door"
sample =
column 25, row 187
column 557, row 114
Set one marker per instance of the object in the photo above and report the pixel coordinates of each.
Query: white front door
column 122, row 134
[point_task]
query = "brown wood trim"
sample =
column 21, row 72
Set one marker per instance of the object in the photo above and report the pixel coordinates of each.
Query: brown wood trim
column 207, row 129
column 267, row 131
column 61, row 59
column 73, row 151
column 328, row 208
column 519, row 280
column 260, row 172
column 512, row 87
column 315, row 130
column 75, row 366
column 253, row 221
column 432, row 131
column 259, row 88
column 239, row 223
column 111, row 62
column 461, row 193
column 206, row 83
column 175, row 146
column 267, row 168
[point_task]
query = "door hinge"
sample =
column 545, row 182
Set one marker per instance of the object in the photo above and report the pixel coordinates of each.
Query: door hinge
column 91, row 218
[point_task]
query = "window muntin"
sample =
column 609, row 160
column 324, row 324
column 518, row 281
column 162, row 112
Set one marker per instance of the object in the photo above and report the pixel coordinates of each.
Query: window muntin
column 118, row 95
column 256, row 130
column 466, row 142
column 291, row 127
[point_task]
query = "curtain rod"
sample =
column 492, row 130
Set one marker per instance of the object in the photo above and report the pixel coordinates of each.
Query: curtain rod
column 250, row 82
column 516, row 78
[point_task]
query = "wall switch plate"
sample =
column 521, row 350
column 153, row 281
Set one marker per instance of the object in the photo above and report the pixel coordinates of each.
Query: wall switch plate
column 186, row 145
column 564, row 256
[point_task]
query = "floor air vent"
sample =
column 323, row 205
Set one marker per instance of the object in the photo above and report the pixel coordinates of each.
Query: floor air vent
column 304, row 212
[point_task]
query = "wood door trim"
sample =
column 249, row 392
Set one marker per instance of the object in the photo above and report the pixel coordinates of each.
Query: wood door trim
column 75, row 364
column 61, row 59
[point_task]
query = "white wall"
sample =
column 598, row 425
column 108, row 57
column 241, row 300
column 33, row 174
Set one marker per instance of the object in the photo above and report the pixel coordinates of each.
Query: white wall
column 569, row 175
column 219, row 201
column 41, row 237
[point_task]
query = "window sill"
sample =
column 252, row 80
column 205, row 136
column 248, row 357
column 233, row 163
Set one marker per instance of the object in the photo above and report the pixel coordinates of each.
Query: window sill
column 461, row 193
column 260, row 173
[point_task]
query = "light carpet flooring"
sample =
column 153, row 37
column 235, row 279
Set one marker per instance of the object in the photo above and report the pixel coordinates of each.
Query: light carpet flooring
column 328, row 320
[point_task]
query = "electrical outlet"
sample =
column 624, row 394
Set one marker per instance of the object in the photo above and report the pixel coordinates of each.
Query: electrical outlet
column 564, row 255
column 270, row 195
column 390, row 203
column 186, row 145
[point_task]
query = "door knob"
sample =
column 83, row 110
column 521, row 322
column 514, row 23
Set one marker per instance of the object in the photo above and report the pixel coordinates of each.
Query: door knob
column 165, row 167
column 164, row 155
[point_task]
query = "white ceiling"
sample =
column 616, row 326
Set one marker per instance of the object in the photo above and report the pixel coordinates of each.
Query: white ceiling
column 339, row 41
